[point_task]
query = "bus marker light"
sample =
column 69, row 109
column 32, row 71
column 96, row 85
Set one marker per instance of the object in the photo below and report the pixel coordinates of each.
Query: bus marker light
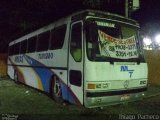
column 91, row 86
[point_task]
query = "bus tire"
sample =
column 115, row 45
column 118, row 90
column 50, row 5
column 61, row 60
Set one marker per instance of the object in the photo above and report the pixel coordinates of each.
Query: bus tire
column 16, row 77
column 56, row 91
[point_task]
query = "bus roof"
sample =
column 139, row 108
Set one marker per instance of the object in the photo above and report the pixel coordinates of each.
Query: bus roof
column 102, row 14
column 77, row 16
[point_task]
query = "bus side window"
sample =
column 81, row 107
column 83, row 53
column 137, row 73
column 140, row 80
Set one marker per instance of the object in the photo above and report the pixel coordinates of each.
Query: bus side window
column 76, row 42
column 16, row 48
column 11, row 50
column 57, row 37
column 32, row 44
column 23, row 48
column 43, row 41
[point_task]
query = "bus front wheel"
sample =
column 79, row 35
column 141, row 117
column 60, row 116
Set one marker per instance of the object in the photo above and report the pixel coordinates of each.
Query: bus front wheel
column 56, row 91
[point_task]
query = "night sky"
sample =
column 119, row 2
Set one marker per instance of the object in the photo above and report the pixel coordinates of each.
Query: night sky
column 19, row 17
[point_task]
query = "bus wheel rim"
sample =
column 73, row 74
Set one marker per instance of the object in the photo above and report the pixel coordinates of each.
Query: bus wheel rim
column 16, row 77
column 57, row 88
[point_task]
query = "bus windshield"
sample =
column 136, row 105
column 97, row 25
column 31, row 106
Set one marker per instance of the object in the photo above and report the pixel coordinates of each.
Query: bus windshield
column 112, row 41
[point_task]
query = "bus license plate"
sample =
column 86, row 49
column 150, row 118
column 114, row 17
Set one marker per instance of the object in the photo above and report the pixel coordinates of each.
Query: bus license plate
column 125, row 97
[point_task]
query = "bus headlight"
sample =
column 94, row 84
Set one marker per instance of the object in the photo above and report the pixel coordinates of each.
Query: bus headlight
column 97, row 85
column 105, row 85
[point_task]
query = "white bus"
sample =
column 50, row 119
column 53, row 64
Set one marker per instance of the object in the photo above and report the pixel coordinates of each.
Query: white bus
column 90, row 58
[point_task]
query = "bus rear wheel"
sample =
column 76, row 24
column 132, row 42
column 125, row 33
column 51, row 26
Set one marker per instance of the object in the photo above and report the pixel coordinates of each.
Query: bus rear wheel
column 56, row 91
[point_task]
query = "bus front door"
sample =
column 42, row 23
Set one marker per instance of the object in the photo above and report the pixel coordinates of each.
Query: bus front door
column 75, row 68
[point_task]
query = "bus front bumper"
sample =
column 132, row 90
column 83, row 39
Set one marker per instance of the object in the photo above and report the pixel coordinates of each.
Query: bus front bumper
column 99, row 99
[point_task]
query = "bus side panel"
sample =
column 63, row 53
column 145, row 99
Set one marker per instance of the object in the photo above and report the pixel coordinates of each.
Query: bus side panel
column 10, row 69
column 35, row 73
column 43, row 65
column 40, row 78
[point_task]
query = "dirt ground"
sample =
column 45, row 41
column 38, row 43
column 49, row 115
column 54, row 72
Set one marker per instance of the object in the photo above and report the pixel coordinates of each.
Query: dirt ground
column 26, row 103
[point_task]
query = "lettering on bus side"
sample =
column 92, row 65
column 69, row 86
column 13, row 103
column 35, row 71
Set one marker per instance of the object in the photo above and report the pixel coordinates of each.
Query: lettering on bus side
column 18, row 59
column 45, row 55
